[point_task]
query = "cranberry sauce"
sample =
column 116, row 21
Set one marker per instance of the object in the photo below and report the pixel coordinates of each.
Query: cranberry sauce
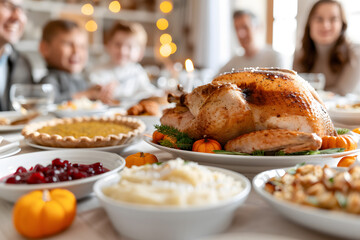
column 57, row 171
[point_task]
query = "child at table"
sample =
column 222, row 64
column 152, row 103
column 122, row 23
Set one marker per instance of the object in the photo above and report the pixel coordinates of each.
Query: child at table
column 125, row 44
column 64, row 46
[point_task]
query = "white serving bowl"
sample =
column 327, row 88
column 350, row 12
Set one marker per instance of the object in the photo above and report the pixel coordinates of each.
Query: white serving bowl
column 157, row 223
column 80, row 187
column 340, row 224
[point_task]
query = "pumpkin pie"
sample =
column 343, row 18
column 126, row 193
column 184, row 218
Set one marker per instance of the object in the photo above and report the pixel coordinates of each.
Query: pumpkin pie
column 84, row 132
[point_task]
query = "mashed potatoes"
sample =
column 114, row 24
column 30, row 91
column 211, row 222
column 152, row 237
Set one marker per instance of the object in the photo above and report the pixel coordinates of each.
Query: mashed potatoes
column 173, row 183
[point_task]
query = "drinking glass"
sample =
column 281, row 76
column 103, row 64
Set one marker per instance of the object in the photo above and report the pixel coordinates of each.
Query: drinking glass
column 27, row 98
column 317, row 80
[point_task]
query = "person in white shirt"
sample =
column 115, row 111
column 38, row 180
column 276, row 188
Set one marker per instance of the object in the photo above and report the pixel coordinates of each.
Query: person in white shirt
column 125, row 45
column 247, row 29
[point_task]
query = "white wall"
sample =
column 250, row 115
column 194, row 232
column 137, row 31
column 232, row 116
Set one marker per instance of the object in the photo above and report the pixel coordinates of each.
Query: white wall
column 304, row 7
column 213, row 34
column 210, row 35
column 259, row 8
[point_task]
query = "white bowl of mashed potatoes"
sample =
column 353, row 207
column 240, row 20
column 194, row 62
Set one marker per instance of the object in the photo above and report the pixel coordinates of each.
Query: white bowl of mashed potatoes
column 173, row 200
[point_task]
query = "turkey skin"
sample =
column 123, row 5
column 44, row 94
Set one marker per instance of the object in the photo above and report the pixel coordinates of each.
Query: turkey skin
column 247, row 101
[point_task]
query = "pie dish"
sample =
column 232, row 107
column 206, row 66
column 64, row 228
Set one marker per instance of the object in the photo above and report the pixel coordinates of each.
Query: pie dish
column 84, row 132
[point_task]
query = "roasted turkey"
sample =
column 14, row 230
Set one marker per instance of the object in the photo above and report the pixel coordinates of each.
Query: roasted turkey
column 273, row 140
column 246, row 101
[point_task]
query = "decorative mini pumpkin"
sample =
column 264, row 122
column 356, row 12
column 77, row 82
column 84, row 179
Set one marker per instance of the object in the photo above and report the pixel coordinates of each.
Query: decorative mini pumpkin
column 206, row 145
column 140, row 158
column 43, row 213
column 340, row 141
column 356, row 130
column 171, row 141
column 346, row 161
column 157, row 136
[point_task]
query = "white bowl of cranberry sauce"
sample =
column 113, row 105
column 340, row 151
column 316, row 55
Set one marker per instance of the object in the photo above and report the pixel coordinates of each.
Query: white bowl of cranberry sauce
column 75, row 170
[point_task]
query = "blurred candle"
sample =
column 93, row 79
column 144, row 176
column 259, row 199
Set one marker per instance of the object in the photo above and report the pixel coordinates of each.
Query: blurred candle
column 189, row 66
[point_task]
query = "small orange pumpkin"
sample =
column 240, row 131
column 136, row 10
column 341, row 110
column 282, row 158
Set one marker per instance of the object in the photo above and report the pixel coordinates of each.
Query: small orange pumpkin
column 206, row 145
column 140, row 158
column 346, row 161
column 172, row 140
column 43, row 213
column 340, row 141
column 356, row 130
column 157, row 136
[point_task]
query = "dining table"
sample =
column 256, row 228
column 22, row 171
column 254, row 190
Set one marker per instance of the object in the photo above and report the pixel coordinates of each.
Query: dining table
column 255, row 219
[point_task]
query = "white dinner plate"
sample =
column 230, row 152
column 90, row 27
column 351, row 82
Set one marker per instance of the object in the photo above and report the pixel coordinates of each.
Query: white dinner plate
column 253, row 164
column 345, row 116
column 9, row 128
column 79, row 113
column 246, row 235
column 117, row 148
column 339, row 224
column 11, row 115
column 10, row 152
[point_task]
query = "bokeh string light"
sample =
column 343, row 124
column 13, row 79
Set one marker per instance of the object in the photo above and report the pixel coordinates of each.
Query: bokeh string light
column 91, row 26
column 162, row 24
column 166, row 6
column 165, row 50
column 115, row 6
column 173, row 47
column 87, row 9
column 167, row 46
column 165, row 38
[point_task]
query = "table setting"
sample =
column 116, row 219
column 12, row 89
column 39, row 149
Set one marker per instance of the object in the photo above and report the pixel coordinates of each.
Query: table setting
column 92, row 221
column 249, row 212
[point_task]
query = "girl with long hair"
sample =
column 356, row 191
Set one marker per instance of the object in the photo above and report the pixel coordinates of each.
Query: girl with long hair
column 325, row 48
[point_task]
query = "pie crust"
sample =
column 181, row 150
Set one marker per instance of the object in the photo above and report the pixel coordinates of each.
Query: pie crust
column 31, row 132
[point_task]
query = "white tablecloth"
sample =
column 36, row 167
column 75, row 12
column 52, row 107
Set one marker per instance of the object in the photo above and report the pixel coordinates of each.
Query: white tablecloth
column 254, row 220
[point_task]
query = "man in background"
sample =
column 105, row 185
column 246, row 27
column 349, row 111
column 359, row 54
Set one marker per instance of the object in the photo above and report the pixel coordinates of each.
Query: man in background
column 14, row 68
column 247, row 29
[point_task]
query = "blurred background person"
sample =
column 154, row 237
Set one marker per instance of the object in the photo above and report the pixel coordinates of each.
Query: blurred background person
column 64, row 46
column 248, row 29
column 14, row 68
column 125, row 44
column 325, row 48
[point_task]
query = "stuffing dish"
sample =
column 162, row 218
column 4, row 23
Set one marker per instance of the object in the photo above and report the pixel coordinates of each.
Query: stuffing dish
column 354, row 106
column 321, row 187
